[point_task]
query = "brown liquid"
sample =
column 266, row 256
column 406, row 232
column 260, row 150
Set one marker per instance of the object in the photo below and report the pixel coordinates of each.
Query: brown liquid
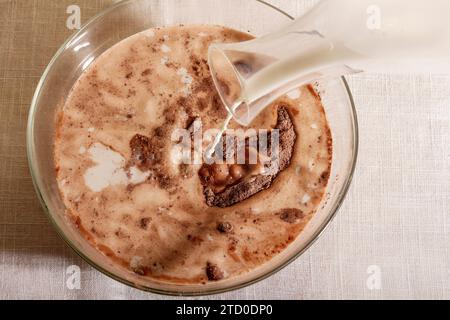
column 149, row 214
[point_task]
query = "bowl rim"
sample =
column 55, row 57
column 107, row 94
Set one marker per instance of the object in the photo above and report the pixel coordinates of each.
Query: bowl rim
column 37, row 182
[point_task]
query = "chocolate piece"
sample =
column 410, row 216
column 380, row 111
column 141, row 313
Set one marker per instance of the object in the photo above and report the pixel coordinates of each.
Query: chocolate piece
column 224, row 227
column 144, row 222
column 291, row 215
column 142, row 154
column 138, row 270
column 147, row 154
column 246, row 187
column 213, row 272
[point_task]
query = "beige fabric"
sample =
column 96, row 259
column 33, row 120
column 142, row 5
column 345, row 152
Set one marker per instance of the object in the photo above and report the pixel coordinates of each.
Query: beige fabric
column 395, row 221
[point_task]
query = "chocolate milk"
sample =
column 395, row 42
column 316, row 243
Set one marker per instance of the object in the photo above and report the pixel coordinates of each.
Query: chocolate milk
column 129, row 194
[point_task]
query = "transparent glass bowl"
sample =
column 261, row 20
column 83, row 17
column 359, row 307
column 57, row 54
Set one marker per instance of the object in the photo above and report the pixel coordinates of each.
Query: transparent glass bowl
column 125, row 19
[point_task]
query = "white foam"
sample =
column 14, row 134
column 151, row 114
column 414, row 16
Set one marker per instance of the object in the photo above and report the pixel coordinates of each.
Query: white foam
column 164, row 60
column 109, row 170
column 255, row 210
column 137, row 176
column 149, row 33
column 163, row 210
column 187, row 80
column 120, row 118
column 165, row 48
column 306, row 198
column 136, row 262
column 294, row 94
column 186, row 91
column 311, row 165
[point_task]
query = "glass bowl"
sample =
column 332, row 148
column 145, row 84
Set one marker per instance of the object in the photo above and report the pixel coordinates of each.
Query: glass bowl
column 125, row 19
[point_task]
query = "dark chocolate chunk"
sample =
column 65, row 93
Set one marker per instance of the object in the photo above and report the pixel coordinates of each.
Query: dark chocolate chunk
column 144, row 222
column 291, row 215
column 224, row 227
column 142, row 152
column 238, row 192
column 213, row 272
column 249, row 186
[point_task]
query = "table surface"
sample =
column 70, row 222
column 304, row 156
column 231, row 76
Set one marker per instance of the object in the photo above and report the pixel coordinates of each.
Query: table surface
column 390, row 239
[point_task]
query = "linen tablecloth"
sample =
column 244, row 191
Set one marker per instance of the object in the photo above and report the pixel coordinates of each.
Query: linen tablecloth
column 389, row 240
